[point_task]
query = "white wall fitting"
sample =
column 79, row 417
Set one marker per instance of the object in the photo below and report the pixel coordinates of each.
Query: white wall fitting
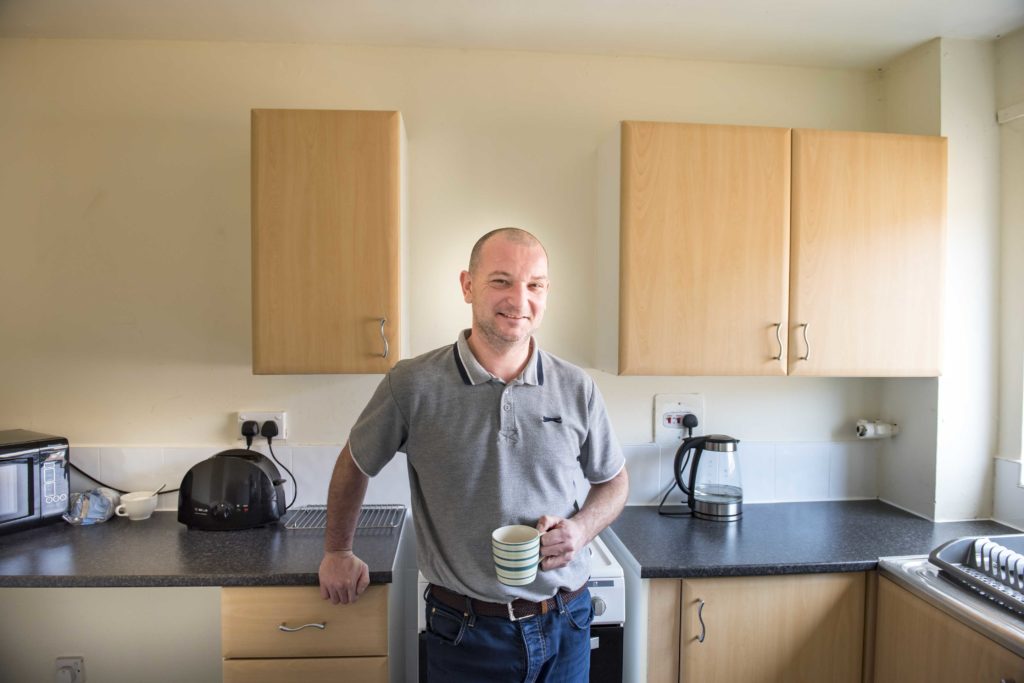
column 968, row 388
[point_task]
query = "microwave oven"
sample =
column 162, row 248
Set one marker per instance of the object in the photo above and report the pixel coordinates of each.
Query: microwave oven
column 34, row 479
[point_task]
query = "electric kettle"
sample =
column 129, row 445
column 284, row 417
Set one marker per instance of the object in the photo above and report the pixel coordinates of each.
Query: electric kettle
column 713, row 488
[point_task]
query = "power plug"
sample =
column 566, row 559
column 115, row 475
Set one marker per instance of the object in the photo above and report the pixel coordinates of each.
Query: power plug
column 280, row 417
column 250, row 428
column 269, row 430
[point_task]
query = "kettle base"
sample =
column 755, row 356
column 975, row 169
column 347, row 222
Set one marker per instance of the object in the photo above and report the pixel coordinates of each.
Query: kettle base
column 718, row 512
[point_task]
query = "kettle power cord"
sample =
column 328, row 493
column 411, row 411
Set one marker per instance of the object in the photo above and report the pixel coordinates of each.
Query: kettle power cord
column 689, row 422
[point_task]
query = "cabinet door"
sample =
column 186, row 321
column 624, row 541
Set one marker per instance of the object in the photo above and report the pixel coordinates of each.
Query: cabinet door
column 315, row 670
column 704, row 253
column 867, row 254
column 773, row 629
column 325, row 240
column 917, row 642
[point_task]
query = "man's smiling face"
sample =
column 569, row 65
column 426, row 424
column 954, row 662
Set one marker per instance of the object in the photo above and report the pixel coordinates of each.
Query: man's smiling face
column 508, row 290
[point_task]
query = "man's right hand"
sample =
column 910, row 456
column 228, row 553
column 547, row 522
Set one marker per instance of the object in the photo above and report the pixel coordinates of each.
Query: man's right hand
column 343, row 577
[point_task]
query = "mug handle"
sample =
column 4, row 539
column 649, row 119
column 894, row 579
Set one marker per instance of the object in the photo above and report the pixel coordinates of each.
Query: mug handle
column 120, row 511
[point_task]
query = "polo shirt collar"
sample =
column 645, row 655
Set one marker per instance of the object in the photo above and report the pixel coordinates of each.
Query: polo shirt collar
column 473, row 373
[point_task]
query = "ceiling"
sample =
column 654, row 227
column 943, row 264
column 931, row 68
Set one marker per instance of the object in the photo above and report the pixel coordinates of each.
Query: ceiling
column 823, row 33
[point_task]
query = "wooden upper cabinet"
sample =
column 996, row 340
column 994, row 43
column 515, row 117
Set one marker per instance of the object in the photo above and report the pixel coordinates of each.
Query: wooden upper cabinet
column 704, row 249
column 326, row 223
column 868, row 230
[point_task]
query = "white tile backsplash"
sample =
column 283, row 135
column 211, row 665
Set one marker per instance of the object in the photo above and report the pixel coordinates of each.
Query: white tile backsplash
column 643, row 463
column 771, row 471
column 853, row 470
column 801, row 471
column 757, row 471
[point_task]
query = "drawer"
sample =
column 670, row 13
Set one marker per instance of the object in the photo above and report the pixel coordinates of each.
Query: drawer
column 251, row 619
column 324, row 670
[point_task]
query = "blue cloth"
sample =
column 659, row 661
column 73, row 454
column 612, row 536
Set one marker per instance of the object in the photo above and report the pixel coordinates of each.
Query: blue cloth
column 545, row 648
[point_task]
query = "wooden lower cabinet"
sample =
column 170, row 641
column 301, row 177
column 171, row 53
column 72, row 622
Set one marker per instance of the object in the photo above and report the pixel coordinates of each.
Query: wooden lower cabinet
column 352, row 645
column 319, row 670
column 915, row 641
column 806, row 628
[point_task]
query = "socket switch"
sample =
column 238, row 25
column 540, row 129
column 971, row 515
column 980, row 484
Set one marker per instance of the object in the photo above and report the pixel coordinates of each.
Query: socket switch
column 70, row 670
column 669, row 410
column 262, row 416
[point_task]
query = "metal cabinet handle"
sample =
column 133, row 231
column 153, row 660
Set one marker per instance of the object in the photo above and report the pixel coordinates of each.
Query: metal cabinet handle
column 384, row 338
column 287, row 629
column 700, row 617
column 778, row 338
column 1006, row 680
column 807, row 344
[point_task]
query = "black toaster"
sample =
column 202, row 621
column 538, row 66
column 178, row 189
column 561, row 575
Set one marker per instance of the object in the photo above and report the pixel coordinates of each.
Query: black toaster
column 234, row 489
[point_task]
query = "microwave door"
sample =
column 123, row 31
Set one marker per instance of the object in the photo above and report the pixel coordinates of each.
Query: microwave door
column 16, row 487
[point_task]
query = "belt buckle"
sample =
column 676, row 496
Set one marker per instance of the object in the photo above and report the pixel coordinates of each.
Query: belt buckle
column 512, row 615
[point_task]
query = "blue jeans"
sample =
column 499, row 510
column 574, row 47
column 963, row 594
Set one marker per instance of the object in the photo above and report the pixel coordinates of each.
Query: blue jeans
column 552, row 647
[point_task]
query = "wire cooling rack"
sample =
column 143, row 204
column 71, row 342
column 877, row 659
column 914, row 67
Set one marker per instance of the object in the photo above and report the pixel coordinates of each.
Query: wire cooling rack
column 372, row 518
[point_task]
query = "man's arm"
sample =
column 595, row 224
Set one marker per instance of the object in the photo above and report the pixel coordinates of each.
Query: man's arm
column 343, row 576
column 563, row 538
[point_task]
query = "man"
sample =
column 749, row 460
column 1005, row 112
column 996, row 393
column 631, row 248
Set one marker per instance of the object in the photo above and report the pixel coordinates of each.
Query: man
column 493, row 429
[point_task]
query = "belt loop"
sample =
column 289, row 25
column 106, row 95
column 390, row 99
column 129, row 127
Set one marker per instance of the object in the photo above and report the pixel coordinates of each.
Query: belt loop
column 469, row 611
column 560, row 602
column 426, row 592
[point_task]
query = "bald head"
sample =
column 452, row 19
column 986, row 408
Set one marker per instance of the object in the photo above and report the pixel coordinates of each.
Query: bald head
column 514, row 235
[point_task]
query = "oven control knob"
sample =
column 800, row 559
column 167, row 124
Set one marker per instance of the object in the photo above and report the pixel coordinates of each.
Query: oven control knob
column 223, row 510
column 600, row 606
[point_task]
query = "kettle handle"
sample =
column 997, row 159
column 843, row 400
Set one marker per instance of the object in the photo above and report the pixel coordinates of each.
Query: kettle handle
column 677, row 469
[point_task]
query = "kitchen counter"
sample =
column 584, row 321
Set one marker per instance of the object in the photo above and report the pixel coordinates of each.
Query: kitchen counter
column 783, row 538
column 160, row 551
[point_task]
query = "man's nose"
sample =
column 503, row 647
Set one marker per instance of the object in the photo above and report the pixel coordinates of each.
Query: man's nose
column 518, row 293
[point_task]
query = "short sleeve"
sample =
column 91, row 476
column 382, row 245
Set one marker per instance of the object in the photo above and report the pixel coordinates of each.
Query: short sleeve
column 601, row 455
column 380, row 431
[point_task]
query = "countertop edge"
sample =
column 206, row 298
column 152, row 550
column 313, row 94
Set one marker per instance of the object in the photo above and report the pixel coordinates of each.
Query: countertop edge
column 709, row 572
column 175, row 580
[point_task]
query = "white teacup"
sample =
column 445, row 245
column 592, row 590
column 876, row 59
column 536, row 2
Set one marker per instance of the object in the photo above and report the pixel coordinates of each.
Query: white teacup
column 136, row 506
column 516, row 553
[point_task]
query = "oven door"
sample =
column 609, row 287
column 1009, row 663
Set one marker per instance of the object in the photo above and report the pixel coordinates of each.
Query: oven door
column 18, row 486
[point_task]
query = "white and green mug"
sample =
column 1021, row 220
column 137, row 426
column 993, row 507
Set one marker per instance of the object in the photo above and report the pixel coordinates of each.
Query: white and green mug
column 516, row 553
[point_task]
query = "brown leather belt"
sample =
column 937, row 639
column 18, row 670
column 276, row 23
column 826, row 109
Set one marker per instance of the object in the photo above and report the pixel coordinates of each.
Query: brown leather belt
column 515, row 610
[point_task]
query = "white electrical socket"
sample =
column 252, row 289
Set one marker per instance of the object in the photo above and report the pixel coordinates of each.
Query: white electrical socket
column 70, row 670
column 262, row 416
column 669, row 410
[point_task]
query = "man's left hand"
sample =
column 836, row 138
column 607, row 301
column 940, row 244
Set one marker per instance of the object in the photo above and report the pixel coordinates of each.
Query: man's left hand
column 562, row 539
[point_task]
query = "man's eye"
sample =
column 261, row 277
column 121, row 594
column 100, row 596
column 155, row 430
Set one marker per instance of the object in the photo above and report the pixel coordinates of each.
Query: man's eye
column 501, row 283
column 537, row 285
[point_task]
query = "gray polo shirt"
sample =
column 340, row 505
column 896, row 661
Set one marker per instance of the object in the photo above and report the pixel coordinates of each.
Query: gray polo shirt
column 483, row 454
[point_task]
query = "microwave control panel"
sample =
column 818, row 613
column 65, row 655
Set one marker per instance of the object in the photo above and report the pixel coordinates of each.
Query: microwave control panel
column 53, row 483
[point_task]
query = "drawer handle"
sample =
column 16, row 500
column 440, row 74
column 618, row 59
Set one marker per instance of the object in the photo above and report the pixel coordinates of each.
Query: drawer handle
column 288, row 629
column 700, row 617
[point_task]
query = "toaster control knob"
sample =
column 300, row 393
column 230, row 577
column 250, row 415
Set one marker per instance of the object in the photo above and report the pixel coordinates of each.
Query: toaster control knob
column 600, row 606
column 222, row 510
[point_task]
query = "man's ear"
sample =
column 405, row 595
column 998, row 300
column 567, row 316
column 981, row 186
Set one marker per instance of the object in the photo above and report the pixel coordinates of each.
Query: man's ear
column 466, row 282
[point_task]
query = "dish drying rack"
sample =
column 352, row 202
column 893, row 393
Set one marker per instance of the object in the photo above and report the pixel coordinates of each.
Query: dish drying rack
column 993, row 567
column 373, row 519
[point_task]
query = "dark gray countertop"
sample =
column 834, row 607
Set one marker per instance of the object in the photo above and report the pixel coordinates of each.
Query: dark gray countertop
column 784, row 538
column 161, row 552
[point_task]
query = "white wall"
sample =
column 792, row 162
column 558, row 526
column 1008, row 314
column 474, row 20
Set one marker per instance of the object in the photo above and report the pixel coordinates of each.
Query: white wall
column 125, row 187
column 968, row 388
column 1009, row 496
